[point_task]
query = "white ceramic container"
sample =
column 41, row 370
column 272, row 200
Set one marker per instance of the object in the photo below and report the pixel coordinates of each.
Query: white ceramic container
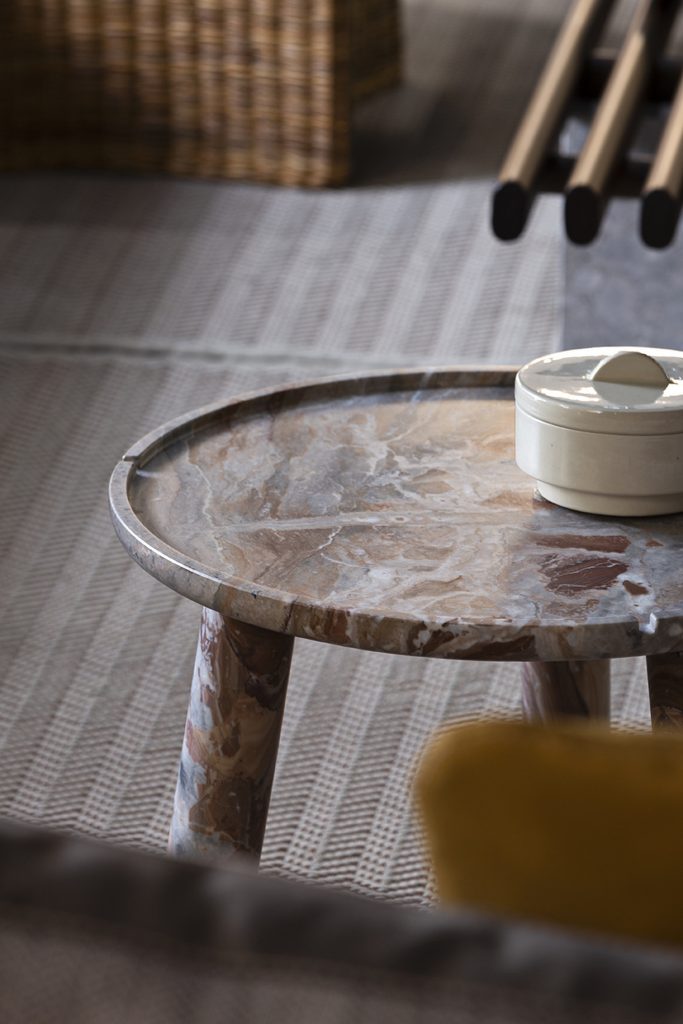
column 601, row 429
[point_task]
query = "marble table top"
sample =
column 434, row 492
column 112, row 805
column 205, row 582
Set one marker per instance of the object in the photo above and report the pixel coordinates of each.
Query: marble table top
column 387, row 512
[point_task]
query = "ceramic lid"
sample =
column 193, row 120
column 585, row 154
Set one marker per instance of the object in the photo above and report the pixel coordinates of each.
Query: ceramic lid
column 606, row 390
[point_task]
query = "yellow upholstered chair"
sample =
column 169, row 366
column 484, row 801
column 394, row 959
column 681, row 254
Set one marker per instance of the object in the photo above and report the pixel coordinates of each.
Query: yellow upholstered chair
column 570, row 825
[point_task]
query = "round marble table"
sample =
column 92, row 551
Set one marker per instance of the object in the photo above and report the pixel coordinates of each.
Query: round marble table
column 383, row 512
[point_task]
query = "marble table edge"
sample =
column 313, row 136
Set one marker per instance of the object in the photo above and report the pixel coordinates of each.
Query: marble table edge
column 469, row 375
column 287, row 613
column 290, row 614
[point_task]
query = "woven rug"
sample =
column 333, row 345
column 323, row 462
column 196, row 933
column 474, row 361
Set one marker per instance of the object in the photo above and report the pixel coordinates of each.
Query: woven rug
column 124, row 302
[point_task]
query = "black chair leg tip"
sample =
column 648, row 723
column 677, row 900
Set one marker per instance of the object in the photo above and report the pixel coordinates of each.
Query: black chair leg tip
column 510, row 211
column 582, row 215
column 659, row 215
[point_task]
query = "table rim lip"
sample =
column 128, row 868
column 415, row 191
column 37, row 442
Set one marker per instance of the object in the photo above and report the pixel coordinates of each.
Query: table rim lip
column 138, row 540
column 142, row 450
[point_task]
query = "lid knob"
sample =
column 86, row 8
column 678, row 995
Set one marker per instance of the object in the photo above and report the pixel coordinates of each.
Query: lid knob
column 631, row 368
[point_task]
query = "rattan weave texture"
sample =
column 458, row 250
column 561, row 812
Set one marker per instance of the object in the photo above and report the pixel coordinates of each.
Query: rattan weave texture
column 254, row 89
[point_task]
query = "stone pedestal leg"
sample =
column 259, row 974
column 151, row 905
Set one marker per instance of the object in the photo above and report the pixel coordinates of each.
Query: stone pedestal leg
column 231, row 738
column 665, row 682
column 555, row 689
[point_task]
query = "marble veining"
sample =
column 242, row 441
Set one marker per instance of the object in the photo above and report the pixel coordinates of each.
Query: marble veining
column 231, row 738
column 388, row 513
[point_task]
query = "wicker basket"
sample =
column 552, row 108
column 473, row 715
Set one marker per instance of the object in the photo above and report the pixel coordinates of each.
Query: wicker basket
column 258, row 89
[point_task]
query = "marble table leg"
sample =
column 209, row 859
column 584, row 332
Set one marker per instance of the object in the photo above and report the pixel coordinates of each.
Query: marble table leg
column 231, row 738
column 555, row 689
column 665, row 682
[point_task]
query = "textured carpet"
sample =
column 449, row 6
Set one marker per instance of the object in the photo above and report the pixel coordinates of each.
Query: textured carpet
column 124, row 302
column 324, row 280
column 618, row 292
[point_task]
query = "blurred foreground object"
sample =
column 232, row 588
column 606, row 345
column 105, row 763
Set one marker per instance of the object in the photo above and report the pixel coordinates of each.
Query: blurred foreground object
column 90, row 934
column 616, row 92
column 571, row 825
column 214, row 88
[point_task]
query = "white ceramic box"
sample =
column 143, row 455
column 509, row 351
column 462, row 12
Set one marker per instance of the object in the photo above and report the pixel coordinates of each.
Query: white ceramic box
column 601, row 429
